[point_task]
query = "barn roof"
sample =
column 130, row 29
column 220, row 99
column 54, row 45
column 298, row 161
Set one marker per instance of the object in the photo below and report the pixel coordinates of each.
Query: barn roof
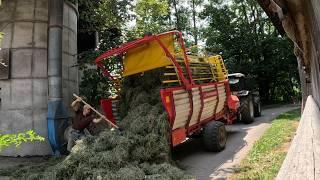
column 293, row 18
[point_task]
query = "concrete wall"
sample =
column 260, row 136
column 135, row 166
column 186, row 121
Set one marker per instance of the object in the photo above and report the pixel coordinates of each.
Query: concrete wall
column 24, row 95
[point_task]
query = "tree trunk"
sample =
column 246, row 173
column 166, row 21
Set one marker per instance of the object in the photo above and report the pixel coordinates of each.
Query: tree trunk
column 174, row 2
column 195, row 31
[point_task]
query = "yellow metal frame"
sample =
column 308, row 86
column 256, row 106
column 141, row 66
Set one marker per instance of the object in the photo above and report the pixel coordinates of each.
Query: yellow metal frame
column 218, row 67
column 148, row 56
column 151, row 56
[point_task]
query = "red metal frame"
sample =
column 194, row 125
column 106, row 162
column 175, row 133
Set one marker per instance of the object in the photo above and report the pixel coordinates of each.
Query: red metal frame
column 106, row 105
column 190, row 96
column 201, row 108
column 231, row 104
column 167, row 101
column 216, row 107
column 177, row 135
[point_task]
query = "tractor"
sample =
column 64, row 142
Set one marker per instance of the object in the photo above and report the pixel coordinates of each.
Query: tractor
column 250, row 104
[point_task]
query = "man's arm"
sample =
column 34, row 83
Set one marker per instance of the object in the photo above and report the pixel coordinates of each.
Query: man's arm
column 97, row 120
column 75, row 104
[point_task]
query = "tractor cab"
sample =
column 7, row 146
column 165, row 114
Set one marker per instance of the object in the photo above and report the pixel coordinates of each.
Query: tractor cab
column 243, row 87
column 238, row 84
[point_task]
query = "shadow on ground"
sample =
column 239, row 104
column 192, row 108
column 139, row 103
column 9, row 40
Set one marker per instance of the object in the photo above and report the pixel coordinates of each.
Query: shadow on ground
column 193, row 157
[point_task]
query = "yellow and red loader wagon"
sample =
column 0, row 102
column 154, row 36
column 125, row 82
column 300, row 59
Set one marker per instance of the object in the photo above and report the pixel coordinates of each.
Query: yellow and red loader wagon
column 195, row 94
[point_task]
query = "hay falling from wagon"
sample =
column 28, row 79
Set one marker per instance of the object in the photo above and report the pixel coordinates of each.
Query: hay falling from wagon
column 140, row 151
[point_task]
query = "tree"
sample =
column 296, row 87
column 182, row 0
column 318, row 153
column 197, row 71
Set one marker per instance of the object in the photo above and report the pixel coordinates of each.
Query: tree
column 242, row 33
column 239, row 30
column 107, row 18
column 151, row 16
column 194, row 5
column 181, row 15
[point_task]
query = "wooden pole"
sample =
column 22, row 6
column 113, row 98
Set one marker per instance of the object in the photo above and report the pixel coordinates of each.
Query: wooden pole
column 101, row 115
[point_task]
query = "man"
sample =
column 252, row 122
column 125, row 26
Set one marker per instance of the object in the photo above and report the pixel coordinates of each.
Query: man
column 83, row 118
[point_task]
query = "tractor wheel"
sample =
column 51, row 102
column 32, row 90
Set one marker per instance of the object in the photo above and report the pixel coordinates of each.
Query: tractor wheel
column 257, row 109
column 215, row 136
column 239, row 117
column 247, row 111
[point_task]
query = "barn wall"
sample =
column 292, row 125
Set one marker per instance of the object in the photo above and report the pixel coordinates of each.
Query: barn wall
column 314, row 10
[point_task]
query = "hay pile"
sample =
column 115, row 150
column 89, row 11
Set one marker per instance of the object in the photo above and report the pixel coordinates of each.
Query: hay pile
column 139, row 151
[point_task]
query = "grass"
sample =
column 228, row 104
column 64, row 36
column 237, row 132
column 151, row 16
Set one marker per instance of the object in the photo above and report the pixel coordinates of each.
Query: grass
column 266, row 157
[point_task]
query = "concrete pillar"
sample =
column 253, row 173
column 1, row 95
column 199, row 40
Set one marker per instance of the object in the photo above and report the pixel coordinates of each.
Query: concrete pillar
column 24, row 95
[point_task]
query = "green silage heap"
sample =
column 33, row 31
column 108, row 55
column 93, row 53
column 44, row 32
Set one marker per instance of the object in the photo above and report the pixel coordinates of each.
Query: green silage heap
column 140, row 151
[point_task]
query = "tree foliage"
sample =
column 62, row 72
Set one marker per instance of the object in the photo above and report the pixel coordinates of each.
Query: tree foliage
column 242, row 33
column 151, row 16
column 107, row 18
column 239, row 30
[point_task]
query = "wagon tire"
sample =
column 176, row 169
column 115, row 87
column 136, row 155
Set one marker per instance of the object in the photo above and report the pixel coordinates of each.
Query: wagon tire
column 215, row 136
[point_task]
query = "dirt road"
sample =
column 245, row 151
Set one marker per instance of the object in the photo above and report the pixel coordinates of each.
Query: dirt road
column 207, row 165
